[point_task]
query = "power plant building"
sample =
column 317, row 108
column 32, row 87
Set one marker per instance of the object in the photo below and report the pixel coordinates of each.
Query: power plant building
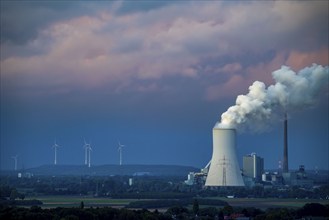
column 253, row 166
column 297, row 178
column 224, row 168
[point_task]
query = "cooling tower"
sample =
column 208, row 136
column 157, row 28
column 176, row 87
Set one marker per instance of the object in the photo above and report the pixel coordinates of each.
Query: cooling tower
column 224, row 168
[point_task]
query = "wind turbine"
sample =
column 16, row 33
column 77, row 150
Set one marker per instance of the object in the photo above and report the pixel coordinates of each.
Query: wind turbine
column 55, row 146
column 88, row 150
column 120, row 151
column 15, row 159
column 86, row 146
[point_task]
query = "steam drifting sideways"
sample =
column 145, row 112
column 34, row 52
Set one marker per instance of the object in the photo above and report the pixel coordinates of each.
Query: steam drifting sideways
column 256, row 110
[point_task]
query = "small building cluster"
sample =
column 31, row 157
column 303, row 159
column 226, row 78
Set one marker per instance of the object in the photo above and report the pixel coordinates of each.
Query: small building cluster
column 253, row 174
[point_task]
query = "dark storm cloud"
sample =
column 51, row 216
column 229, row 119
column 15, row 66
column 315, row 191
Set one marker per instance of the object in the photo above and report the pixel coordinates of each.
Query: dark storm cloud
column 96, row 44
column 22, row 20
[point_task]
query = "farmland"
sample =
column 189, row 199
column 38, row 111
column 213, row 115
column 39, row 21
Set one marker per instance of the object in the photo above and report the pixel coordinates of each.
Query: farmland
column 74, row 201
column 264, row 203
column 261, row 203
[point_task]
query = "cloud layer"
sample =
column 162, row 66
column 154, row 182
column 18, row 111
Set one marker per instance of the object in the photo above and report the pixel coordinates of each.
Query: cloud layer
column 220, row 44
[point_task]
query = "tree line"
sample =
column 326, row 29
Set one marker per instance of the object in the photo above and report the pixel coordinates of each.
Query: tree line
column 146, row 187
column 176, row 212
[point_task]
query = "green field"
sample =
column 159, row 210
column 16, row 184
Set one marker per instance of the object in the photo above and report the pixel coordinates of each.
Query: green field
column 261, row 203
column 264, row 203
column 74, row 201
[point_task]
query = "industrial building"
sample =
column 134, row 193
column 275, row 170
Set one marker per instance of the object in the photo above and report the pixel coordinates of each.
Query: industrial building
column 297, row 178
column 275, row 178
column 196, row 178
column 253, row 166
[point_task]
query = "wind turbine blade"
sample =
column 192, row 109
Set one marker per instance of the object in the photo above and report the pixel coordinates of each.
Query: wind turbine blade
column 84, row 140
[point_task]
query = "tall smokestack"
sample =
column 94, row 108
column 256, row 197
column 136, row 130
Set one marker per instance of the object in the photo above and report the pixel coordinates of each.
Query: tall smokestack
column 285, row 168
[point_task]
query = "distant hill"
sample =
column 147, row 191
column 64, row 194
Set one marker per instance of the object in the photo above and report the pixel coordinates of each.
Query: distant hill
column 109, row 170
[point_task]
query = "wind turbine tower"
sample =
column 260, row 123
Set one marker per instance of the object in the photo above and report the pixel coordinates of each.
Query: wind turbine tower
column 15, row 159
column 89, row 150
column 55, row 146
column 86, row 146
column 120, row 152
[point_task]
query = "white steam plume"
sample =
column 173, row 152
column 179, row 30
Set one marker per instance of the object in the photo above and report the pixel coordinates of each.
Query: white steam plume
column 256, row 110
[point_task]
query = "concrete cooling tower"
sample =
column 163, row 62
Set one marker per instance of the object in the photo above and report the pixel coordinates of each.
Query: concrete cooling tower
column 224, row 168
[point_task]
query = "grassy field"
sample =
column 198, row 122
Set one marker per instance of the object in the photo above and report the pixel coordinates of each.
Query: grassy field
column 264, row 203
column 261, row 203
column 74, row 201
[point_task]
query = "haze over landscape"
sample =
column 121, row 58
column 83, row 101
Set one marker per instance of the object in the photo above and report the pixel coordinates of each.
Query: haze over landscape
column 157, row 76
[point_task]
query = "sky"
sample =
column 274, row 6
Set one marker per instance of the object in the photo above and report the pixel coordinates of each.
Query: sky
column 156, row 76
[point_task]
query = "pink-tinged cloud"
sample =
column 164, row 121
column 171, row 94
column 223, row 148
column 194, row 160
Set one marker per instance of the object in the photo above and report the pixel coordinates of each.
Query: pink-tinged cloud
column 117, row 51
column 298, row 60
column 263, row 72
column 238, row 84
column 231, row 68
column 231, row 88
